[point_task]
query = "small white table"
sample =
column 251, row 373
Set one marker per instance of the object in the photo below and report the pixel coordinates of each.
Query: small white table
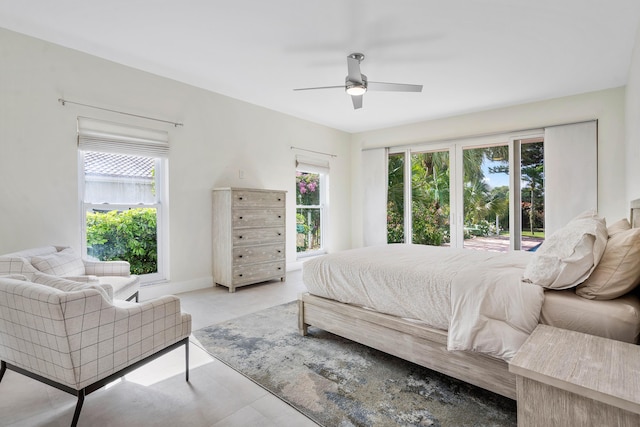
column 566, row 378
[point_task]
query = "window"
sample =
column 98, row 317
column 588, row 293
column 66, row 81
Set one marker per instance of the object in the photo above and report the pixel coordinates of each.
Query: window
column 430, row 204
column 123, row 194
column 311, row 201
column 395, row 199
column 492, row 192
column 463, row 194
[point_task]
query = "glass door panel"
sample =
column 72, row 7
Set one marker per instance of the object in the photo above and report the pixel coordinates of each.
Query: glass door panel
column 486, row 198
column 531, row 192
column 395, row 199
column 430, row 198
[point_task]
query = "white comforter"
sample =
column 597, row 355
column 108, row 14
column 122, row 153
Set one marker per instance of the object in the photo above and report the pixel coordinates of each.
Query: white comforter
column 478, row 297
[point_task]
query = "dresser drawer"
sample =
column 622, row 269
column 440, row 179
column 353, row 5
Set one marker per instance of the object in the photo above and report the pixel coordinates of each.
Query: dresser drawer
column 251, row 254
column 253, row 273
column 252, row 199
column 258, row 217
column 257, row 236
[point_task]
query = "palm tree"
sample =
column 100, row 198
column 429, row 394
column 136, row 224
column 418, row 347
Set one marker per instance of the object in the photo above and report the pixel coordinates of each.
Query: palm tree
column 477, row 203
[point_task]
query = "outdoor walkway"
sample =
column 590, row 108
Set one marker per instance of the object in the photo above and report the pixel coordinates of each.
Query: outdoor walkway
column 499, row 243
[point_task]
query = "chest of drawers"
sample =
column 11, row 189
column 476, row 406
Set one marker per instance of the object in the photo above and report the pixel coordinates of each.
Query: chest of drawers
column 248, row 236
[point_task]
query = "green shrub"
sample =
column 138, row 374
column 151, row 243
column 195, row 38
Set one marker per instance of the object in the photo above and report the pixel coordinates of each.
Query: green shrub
column 129, row 235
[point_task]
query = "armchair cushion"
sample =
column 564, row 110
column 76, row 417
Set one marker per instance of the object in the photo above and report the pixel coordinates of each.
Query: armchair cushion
column 63, row 263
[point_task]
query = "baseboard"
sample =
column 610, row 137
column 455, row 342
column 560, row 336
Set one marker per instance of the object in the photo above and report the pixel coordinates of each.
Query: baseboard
column 155, row 290
column 293, row 266
column 172, row 288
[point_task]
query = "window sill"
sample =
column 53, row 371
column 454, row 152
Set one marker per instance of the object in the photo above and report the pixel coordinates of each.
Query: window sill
column 309, row 254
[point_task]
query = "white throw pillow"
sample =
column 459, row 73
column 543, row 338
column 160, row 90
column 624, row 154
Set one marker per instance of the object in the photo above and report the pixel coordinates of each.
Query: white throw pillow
column 63, row 263
column 568, row 256
column 68, row 285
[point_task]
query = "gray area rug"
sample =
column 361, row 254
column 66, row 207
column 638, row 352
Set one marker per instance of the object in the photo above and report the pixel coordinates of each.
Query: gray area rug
column 337, row 382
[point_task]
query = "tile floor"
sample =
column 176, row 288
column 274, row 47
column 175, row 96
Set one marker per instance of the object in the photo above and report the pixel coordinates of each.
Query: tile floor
column 157, row 393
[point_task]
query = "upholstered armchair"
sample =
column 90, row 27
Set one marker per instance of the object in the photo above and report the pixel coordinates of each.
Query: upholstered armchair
column 73, row 337
column 64, row 262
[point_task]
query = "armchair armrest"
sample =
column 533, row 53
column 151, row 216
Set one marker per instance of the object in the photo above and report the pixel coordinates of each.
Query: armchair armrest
column 107, row 268
column 119, row 335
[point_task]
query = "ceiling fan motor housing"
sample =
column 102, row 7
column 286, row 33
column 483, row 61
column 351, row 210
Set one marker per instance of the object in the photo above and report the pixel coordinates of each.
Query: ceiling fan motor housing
column 355, row 88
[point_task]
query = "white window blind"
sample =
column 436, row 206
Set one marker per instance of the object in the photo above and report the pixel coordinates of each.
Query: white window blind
column 110, row 137
column 570, row 172
column 374, row 181
column 312, row 164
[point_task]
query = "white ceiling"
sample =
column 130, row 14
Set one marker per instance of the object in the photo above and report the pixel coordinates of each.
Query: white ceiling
column 470, row 55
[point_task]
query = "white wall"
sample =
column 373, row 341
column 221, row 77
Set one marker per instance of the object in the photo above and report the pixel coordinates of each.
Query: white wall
column 38, row 165
column 633, row 124
column 606, row 106
column 221, row 136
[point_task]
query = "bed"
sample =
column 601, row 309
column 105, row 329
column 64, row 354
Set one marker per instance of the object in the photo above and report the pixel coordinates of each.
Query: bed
column 360, row 295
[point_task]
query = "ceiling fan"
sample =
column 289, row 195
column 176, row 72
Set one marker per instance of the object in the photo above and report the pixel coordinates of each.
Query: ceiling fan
column 356, row 83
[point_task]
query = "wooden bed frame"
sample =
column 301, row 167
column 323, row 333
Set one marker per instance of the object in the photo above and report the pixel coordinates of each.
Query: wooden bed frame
column 412, row 341
column 405, row 339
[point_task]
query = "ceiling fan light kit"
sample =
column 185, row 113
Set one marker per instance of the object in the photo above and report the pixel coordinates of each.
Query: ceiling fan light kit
column 356, row 88
column 356, row 83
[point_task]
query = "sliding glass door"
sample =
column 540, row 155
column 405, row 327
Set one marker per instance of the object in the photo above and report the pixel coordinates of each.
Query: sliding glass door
column 486, row 197
column 532, row 230
column 396, row 198
column 430, row 198
column 485, row 194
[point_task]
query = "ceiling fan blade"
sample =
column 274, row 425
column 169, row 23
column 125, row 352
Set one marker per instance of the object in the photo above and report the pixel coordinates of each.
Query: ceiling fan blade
column 357, row 101
column 393, row 87
column 321, row 87
column 353, row 65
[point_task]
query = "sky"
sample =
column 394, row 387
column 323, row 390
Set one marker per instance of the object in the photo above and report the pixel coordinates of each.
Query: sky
column 494, row 179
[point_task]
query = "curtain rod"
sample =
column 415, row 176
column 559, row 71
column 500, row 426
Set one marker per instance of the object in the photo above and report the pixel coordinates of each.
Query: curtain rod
column 311, row 151
column 65, row 101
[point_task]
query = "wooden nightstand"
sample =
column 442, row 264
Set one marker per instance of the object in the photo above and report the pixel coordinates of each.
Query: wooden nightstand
column 566, row 378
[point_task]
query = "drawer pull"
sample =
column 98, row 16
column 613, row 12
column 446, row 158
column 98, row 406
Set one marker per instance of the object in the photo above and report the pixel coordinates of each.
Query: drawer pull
column 239, row 237
column 279, row 268
column 240, row 274
column 279, row 234
column 279, row 251
column 239, row 198
column 240, row 217
column 239, row 256
column 279, row 199
column 279, row 216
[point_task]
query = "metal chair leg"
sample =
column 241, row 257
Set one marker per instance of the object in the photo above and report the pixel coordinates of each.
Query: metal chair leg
column 76, row 414
column 134, row 297
column 186, row 352
column 3, row 368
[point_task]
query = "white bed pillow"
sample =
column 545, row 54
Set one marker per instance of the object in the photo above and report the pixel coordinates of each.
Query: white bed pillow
column 568, row 256
column 63, row 263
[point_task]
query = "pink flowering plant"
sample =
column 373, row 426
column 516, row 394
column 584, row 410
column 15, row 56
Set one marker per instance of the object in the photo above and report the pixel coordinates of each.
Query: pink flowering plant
column 307, row 188
column 307, row 219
